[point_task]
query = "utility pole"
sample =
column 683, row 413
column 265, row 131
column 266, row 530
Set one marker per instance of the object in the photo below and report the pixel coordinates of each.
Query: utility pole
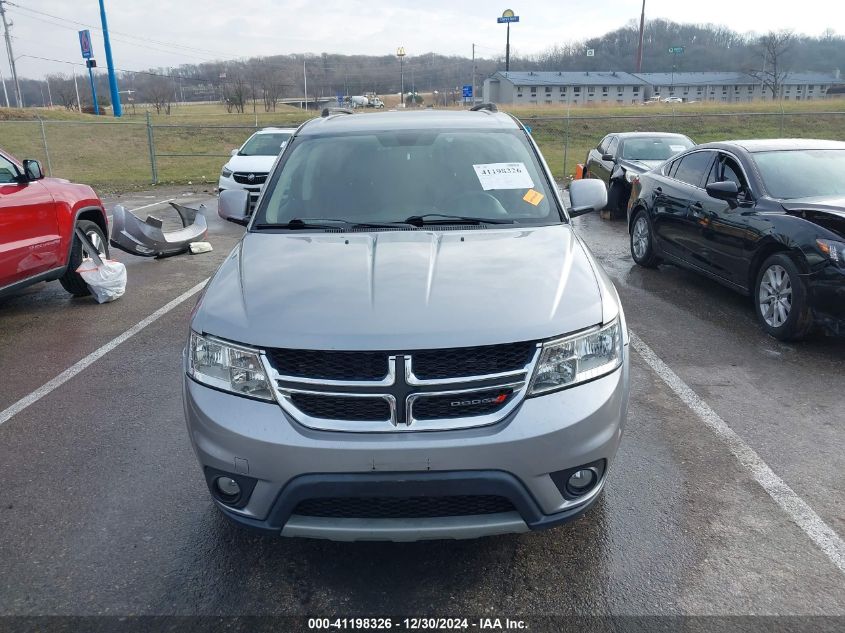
column 76, row 87
column 49, row 94
column 400, row 53
column 11, row 54
column 305, row 80
column 5, row 93
column 473, row 74
column 640, row 47
column 115, row 94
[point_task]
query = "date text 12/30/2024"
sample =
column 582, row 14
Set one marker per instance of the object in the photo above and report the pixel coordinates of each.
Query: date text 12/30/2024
column 415, row 624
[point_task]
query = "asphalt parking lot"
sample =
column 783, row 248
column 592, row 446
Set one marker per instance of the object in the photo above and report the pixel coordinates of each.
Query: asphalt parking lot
column 104, row 511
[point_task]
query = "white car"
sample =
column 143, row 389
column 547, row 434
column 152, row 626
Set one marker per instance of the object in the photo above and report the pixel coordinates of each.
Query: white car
column 250, row 164
column 673, row 100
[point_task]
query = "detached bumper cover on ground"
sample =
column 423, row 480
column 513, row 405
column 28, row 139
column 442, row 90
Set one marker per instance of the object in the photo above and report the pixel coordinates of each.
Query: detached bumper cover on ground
column 147, row 237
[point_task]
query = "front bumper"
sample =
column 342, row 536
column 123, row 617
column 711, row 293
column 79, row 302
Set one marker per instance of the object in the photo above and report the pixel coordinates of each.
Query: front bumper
column 514, row 459
column 827, row 298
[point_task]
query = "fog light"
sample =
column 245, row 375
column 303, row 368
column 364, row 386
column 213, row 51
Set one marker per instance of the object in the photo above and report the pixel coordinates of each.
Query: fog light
column 581, row 481
column 227, row 487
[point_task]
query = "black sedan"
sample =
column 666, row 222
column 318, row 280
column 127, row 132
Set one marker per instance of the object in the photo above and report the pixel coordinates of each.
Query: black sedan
column 620, row 157
column 764, row 217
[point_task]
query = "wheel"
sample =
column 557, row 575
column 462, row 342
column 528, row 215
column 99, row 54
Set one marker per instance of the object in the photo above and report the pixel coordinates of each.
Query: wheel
column 617, row 199
column 71, row 280
column 780, row 299
column 642, row 241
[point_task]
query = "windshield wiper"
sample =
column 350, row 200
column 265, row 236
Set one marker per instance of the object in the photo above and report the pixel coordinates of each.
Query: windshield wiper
column 327, row 223
column 443, row 218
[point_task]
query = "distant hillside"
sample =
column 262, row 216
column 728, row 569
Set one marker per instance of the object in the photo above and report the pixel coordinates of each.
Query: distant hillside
column 272, row 78
column 706, row 47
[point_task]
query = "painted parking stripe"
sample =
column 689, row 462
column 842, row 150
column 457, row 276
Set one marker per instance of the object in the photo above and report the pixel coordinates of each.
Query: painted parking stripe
column 94, row 356
column 798, row 510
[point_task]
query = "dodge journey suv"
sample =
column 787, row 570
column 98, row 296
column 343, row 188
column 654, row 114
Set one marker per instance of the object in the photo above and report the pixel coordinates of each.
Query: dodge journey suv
column 410, row 341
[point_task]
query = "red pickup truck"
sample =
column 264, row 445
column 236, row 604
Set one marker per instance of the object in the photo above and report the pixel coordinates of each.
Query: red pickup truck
column 38, row 216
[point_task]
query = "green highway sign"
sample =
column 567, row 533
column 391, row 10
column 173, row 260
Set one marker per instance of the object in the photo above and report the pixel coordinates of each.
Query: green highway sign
column 676, row 50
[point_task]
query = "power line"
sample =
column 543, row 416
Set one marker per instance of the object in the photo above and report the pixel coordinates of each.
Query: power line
column 99, row 28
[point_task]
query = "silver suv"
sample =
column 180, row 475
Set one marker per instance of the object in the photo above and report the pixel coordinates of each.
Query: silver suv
column 410, row 341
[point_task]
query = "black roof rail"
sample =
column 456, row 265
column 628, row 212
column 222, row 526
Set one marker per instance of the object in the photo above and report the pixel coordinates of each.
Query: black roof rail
column 330, row 111
column 484, row 107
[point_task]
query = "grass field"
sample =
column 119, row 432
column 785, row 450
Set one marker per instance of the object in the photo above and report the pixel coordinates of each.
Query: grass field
column 113, row 154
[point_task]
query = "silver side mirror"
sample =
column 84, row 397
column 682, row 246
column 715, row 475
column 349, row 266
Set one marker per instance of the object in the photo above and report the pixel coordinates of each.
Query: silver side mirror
column 586, row 195
column 233, row 205
column 234, row 152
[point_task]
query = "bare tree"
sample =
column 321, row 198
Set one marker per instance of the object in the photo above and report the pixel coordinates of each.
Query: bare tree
column 235, row 92
column 774, row 47
column 159, row 93
column 63, row 90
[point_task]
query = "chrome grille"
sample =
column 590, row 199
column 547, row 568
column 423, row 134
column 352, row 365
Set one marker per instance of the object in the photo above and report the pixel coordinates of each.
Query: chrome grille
column 243, row 177
column 413, row 391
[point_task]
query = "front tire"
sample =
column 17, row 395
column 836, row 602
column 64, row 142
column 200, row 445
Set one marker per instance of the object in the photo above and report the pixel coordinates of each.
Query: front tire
column 71, row 280
column 780, row 299
column 642, row 241
column 616, row 198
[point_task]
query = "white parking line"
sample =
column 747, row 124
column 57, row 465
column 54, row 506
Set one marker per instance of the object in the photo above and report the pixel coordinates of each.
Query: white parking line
column 77, row 367
column 798, row 510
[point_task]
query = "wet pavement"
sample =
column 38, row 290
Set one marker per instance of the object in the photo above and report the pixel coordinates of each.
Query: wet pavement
column 103, row 508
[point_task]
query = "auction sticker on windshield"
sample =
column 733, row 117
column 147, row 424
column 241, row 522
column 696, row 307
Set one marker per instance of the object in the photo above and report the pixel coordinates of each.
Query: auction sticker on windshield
column 503, row 176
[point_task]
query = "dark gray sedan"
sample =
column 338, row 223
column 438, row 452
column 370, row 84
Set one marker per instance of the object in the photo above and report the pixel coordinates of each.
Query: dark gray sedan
column 620, row 157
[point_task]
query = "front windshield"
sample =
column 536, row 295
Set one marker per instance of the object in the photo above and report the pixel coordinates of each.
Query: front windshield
column 264, row 144
column 655, row 148
column 802, row 173
column 390, row 176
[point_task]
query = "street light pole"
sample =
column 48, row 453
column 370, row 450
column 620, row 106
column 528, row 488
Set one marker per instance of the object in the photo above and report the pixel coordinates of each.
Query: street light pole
column 400, row 53
column 115, row 94
column 640, row 47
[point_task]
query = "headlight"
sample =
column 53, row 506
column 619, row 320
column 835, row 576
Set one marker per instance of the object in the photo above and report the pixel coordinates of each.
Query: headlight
column 834, row 250
column 227, row 367
column 226, row 172
column 565, row 362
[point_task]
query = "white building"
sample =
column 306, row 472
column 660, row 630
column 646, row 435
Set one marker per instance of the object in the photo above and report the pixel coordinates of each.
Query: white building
column 555, row 88
column 620, row 88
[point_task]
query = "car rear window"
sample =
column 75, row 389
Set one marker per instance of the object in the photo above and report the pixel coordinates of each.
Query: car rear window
column 388, row 176
column 657, row 148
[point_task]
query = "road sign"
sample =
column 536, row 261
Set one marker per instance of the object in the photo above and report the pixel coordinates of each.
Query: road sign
column 85, row 44
column 676, row 50
column 503, row 20
column 467, row 92
column 591, row 52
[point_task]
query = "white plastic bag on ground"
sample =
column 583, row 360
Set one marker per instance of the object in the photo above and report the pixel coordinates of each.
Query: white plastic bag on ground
column 106, row 281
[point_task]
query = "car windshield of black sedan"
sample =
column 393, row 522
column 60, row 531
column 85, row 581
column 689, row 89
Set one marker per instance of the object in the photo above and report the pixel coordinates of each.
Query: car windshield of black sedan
column 264, row 144
column 391, row 176
column 656, row 148
column 805, row 173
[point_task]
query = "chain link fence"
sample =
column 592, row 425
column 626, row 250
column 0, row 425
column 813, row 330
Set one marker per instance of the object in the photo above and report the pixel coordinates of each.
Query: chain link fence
column 127, row 154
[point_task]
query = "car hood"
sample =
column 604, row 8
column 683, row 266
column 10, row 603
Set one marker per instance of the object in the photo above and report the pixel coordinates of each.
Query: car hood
column 640, row 166
column 401, row 289
column 834, row 205
column 258, row 164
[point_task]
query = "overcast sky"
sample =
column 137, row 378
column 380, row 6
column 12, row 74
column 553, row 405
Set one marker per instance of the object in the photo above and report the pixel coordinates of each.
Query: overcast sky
column 149, row 33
